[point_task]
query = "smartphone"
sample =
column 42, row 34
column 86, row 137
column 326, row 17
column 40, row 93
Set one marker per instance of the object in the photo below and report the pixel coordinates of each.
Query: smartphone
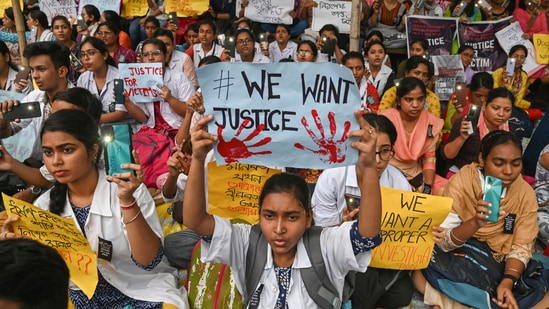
column 23, row 111
column 230, row 44
column 473, row 113
column 417, row 181
column 492, row 194
column 461, row 8
column 119, row 91
column 173, row 18
column 75, row 62
column 117, row 139
column 510, row 66
column 80, row 22
column 484, row 4
column 328, row 46
column 461, row 93
column 22, row 74
column 353, row 201
column 533, row 5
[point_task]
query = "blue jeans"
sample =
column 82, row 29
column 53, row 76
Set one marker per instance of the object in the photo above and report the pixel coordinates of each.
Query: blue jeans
column 137, row 33
column 295, row 29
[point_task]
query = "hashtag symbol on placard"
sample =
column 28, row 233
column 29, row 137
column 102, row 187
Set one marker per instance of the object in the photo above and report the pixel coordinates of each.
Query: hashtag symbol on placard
column 224, row 82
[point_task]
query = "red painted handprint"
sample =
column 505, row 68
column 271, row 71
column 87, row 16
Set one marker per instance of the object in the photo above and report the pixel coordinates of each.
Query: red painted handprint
column 236, row 149
column 330, row 150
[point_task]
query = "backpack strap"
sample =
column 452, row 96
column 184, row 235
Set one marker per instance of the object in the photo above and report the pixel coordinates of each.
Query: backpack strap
column 315, row 278
column 256, row 258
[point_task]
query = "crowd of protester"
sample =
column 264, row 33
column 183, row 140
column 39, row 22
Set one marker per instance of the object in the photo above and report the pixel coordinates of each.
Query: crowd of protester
column 409, row 139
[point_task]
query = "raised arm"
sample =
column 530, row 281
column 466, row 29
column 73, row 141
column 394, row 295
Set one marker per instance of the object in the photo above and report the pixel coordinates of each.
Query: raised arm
column 195, row 216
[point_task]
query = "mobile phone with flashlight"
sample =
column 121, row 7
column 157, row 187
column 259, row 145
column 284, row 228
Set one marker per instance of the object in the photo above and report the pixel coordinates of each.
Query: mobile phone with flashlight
column 510, row 66
column 23, row 111
column 473, row 113
column 117, row 139
column 492, row 194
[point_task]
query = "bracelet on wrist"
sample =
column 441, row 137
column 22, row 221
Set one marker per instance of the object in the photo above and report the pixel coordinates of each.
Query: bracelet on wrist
column 509, row 276
column 134, row 218
column 454, row 237
column 129, row 206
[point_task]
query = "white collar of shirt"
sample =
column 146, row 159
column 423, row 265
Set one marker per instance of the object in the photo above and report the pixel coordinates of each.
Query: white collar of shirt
column 301, row 259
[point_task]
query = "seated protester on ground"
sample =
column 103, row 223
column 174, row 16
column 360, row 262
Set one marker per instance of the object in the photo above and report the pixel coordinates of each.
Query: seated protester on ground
column 417, row 67
column 207, row 32
column 159, row 120
column 381, row 76
column 500, row 9
column 418, row 134
column 285, row 215
column 39, row 178
column 191, row 36
column 8, row 30
column 537, row 142
column 49, row 62
column 248, row 24
column 28, row 267
column 388, row 16
column 177, row 61
column 245, row 51
column 306, row 52
column 376, row 35
column 463, row 148
column 419, row 47
column 62, row 30
column 114, row 209
column 530, row 18
column 539, row 92
column 91, row 18
column 334, row 200
column 466, row 11
column 467, row 53
column 541, row 188
column 282, row 47
column 99, row 78
column 112, row 16
column 429, row 8
column 327, row 45
column 137, row 25
column 108, row 32
column 517, row 82
column 37, row 22
column 507, row 244
column 368, row 93
column 298, row 25
column 223, row 12
column 477, row 90
column 8, row 72
column 151, row 25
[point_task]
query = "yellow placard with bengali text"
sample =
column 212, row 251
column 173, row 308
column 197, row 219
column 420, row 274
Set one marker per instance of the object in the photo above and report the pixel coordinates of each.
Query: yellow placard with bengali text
column 186, row 8
column 134, row 8
column 60, row 234
column 233, row 190
column 406, row 225
column 541, row 44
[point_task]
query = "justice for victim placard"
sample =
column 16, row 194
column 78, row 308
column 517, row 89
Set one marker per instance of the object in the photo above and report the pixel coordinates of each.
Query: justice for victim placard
column 406, row 228
column 60, row 234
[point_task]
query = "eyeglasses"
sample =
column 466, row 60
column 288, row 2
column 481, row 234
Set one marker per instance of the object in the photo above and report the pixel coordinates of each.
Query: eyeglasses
column 89, row 54
column 243, row 42
column 155, row 52
column 385, row 154
column 304, row 52
column 103, row 33
column 519, row 57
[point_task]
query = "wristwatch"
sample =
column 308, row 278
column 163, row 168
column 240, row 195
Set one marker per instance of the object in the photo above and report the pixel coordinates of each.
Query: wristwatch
column 427, row 189
column 36, row 190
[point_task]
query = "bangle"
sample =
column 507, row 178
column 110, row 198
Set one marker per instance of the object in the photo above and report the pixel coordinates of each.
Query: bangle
column 134, row 218
column 129, row 206
column 454, row 236
column 514, row 270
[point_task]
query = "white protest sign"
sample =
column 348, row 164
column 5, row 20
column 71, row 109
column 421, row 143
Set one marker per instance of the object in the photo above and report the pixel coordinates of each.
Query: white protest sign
column 281, row 114
column 53, row 8
column 141, row 80
column 101, row 5
column 337, row 13
column 511, row 36
column 270, row 11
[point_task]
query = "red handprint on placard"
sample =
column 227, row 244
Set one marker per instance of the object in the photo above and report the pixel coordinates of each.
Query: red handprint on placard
column 237, row 149
column 330, row 150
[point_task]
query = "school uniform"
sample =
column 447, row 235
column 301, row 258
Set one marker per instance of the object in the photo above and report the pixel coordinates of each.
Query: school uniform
column 181, row 62
column 229, row 244
column 198, row 54
column 105, row 95
column 381, row 79
column 276, row 54
column 258, row 58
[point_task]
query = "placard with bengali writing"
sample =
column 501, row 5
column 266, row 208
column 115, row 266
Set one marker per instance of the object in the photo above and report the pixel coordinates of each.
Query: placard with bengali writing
column 270, row 11
column 186, row 8
column 60, row 234
column 337, row 13
column 233, row 190
column 135, row 8
column 406, row 225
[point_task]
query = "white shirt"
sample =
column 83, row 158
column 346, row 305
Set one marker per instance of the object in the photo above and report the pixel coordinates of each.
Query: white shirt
column 105, row 221
column 258, row 58
column 182, row 89
column 181, row 62
column 276, row 54
column 328, row 199
column 106, row 96
column 198, row 51
column 381, row 79
column 230, row 243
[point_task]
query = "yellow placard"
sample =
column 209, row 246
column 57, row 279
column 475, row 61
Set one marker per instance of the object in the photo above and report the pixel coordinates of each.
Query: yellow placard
column 406, row 226
column 134, row 8
column 233, row 190
column 541, row 44
column 186, row 8
column 60, row 234
column 4, row 4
